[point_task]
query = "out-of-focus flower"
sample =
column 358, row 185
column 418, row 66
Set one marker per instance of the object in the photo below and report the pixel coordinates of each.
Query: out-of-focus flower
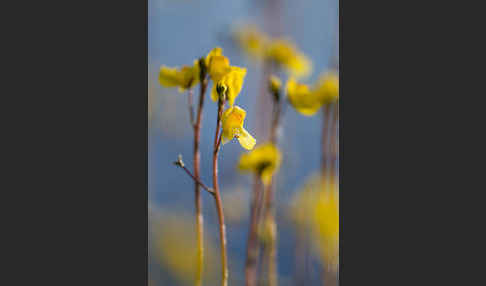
column 175, row 244
column 278, row 50
column 316, row 210
column 252, row 41
column 309, row 100
column 326, row 215
column 328, row 87
column 284, row 53
column 232, row 124
column 302, row 98
column 232, row 82
column 264, row 161
column 184, row 77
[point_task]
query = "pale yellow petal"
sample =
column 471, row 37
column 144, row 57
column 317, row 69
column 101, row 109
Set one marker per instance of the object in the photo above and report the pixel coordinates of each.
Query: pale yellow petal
column 234, row 81
column 214, row 93
column 246, row 140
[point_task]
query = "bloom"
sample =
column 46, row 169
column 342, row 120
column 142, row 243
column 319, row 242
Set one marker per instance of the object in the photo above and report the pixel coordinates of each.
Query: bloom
column 326, row 219
column 233, row 82
column 302, row 98
column 328, row 87
column 279, row 50
column 316, row 210
column 221, row 73
column 283, row 52
column 217, row 64
column 175, row 246
column 252, row 41
column 232, row 122
column 264, row 160
column 184, row 77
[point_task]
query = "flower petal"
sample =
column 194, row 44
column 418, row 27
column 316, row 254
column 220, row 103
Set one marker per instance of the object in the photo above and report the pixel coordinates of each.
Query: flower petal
column 169, row 77
column 218, row 67
column 214, row 93
column 246, row 140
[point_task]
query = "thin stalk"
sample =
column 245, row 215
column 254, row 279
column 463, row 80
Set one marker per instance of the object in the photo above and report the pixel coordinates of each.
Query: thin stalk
column 252, row 249
column 197, row 181
column 300, row 271
column 217, row 197
column 270, row 250
column 197, row 192
column 191, row 107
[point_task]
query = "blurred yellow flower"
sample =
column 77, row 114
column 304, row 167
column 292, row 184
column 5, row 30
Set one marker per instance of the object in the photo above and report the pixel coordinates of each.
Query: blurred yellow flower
column 232, row 122
column 284, row 53
column 175, row 247
column 326, row 216
column 316, row 210
column 279, row 50
column 252, row 41
column 328, row 87
column 264, row 160
column 308, row 100
column 233, row 83
column 184, row 78
column 302, row 98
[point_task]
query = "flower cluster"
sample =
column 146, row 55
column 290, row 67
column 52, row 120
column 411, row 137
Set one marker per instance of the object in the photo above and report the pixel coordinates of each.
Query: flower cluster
column 264, row 161
column 221, row 73
column 227, row 82
column 308, row 100
column 184, row 77
column 280, row 51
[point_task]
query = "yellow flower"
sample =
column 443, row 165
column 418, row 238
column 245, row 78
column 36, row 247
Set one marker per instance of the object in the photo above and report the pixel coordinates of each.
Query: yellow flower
column 232, row 122
column 233, row 82
column 264, row 160
column 302, row 98
column 328, row 87
column 174, row 246
column 316, row 210
column 326, row 216
column 221, row 73
column 284, row 53
column 217, row 64
column 252, row 41
column 184, row 78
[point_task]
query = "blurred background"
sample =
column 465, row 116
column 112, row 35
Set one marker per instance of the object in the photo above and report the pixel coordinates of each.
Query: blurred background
column 180, row 31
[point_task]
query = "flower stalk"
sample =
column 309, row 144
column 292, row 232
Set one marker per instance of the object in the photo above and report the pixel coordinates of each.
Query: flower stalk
column 217, row 195
column 197, row 159
column 252, row 249
column 269, row 217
